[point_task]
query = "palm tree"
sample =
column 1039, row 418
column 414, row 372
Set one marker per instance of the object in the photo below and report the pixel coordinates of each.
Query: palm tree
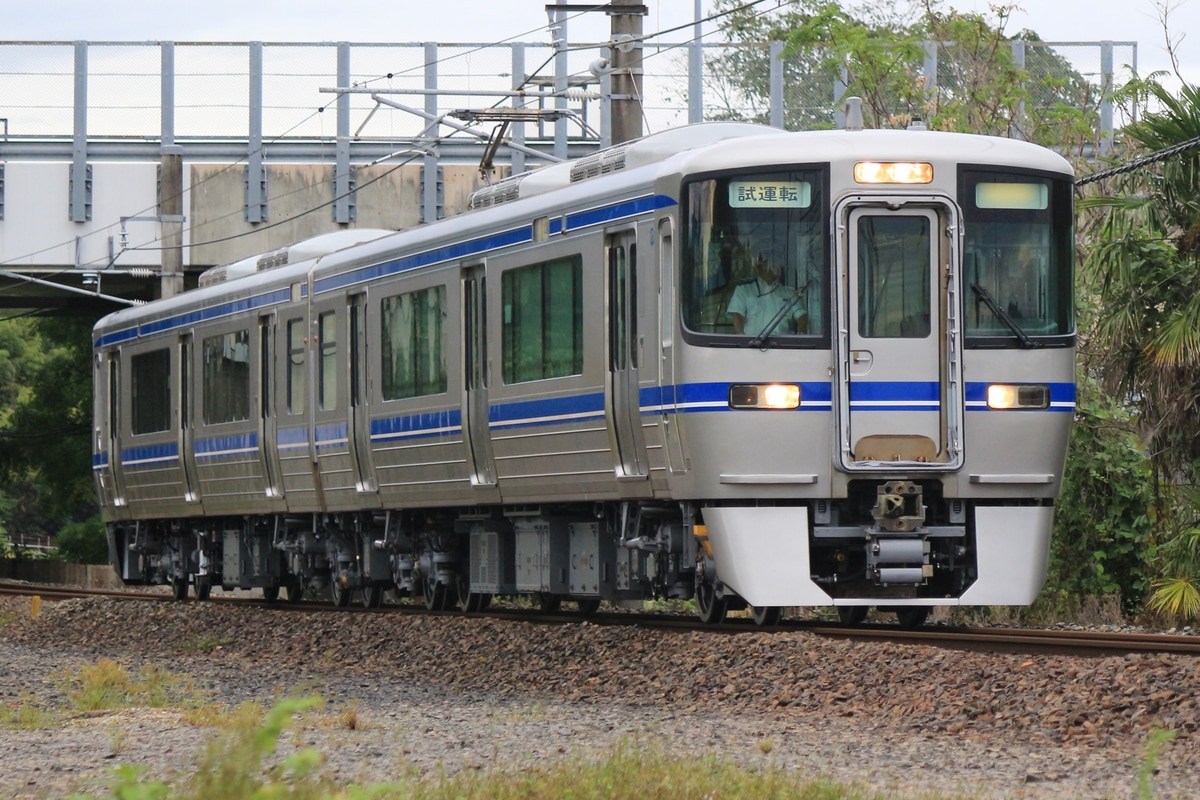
column 1143, row 273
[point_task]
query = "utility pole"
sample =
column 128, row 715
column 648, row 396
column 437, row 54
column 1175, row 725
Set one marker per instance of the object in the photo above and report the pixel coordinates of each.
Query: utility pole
column 171, row 217
column 626, row 69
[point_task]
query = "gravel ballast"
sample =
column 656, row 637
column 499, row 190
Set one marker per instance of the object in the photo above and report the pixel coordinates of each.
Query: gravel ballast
column 449, row 692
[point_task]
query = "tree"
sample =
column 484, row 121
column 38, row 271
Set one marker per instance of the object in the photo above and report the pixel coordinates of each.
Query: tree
column 879, row 51
column 45, row 419
column 1144, row 270
column 83, row 542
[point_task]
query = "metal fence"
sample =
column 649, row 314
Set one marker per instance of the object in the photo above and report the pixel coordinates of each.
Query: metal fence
column 164, row 92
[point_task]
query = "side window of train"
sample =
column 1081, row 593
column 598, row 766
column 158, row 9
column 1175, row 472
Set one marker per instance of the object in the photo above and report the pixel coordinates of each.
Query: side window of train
column 327, row 389
column 296, row 367
column 226, row 377
column 755, row 254
column 542, row 326
column 150, row 391
column 414, row 361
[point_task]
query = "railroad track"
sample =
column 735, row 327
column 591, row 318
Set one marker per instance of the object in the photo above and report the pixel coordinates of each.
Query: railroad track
column 1007, row 640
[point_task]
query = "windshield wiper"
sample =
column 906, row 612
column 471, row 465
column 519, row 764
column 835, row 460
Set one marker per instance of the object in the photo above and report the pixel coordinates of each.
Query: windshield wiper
column 1002, row 315
column 779, row 317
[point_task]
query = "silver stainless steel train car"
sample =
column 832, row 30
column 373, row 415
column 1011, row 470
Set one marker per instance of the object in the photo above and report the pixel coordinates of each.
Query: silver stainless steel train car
column 758, row 368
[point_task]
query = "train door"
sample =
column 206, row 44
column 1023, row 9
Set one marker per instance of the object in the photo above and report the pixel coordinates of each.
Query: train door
column 667, row 319
column 476, row 428
column 108, row 423
column 268, row 438
column 187, row 420
column 623, row 406
column 360, row 416
column 902, row 397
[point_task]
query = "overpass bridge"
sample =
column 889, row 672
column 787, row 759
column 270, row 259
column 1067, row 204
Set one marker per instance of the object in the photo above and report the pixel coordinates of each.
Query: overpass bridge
column 128, row 168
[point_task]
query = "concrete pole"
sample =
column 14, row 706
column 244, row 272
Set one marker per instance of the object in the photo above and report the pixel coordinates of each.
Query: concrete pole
column 696, row 69
column 171, row 216
column 558, row 20
column 627, row 69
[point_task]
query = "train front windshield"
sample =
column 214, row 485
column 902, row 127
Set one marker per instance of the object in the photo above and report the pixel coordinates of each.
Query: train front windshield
column 1018, row 256
column 755, row 265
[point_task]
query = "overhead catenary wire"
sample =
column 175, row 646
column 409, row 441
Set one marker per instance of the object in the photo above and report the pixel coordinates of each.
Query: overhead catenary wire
column 1144, row 161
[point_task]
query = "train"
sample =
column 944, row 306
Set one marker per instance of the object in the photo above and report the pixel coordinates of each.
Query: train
column 725, row 363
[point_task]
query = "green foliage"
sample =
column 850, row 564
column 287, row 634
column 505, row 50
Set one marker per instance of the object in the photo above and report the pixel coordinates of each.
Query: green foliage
column 1141, row 273
column 1175, row 598
column 1149, row 766
column 881, row 54
column 1103, row 516
column 879, row 49
column 45, row 419
column 83, row 542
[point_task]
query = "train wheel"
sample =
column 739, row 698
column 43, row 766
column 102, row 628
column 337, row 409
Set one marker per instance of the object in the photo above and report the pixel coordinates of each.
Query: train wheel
column 295, row 590
column 372, row 596
column 710, row 608
column 912, row 617
column 437, row 596
column 203, row 587
column 270, row 593
column 852, row 615
column 339, row 594
column 549, row 603
column 589, row 606
column 766, row 616
column 179, row 588
column 466, row 601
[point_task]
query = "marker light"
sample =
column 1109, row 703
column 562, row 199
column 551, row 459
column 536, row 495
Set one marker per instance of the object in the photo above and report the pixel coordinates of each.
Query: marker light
column 771, row 395
column 893, row 172
column 1007, row 396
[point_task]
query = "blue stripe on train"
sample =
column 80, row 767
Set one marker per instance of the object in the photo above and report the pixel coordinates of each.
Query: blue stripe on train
column 1062, row 396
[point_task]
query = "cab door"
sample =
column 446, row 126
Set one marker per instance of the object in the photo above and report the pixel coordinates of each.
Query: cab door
column 900, row 391
column 110, row 477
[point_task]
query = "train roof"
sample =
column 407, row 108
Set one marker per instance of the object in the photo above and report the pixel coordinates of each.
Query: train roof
column 633, row 166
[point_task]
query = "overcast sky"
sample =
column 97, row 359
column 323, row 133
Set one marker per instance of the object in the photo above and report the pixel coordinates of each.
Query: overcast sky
column 480, row 21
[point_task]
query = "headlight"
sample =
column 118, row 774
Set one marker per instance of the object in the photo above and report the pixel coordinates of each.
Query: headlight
column 893, row 172
column 767, row 395
column 1005, row 396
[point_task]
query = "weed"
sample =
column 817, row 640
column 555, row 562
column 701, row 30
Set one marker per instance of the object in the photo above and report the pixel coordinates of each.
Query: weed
column 27, row 715
column 239, row 766
column 107, row 686
column 1149, row 766
column 218, row 715
column 206, row 644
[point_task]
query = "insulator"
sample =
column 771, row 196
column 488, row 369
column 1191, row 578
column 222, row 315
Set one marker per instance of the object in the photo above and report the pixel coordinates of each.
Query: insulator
column 579, row 94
